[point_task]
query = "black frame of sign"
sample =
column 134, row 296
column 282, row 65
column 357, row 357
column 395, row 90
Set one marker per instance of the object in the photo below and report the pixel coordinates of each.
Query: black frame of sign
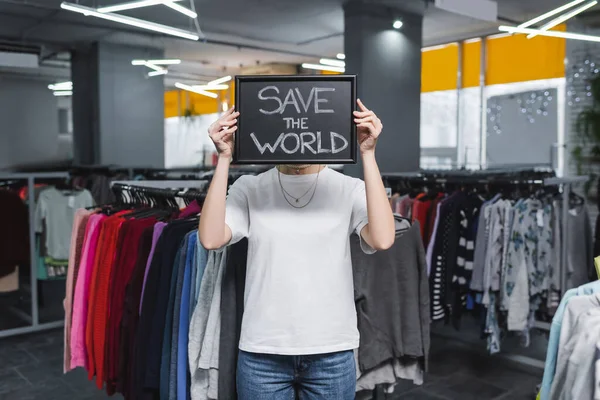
column 239, row 81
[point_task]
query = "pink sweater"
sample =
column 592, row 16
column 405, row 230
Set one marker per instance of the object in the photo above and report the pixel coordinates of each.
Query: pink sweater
column 77, row 238
column 82, row 292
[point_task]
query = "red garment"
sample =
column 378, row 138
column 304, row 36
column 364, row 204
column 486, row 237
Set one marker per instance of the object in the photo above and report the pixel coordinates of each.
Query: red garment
column 98, row 307
column 120, row 278
column 420, row 210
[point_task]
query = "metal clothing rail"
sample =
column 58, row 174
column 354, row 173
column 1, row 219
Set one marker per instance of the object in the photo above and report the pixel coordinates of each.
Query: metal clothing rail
column 34, row 317
column 169, row 184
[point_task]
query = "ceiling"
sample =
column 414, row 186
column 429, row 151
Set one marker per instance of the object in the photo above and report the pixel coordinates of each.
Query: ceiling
column 237, row 32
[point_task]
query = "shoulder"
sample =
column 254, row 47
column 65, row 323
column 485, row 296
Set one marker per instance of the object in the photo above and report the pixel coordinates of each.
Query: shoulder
column 247, row 183
column 346, row 182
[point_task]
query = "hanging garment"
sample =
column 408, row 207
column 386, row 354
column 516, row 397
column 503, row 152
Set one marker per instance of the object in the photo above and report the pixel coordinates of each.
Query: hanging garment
column 81, row 297
column 171, row 327
column 77, row 237
column 110, row 237
column 580, row 258
column 444, row 256
column 575, row 311
column 204, row 328
column 14, row 242
column 395, row 279
column 555, row 339
column 156, row 296
column 55, row 212
column 182, row 375
column 130, row 319
column 232, row 309
column 120, row 276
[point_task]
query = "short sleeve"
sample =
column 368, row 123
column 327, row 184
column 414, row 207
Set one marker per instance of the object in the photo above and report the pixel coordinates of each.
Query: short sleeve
column 40, row 213
column 360, row 218
column 236, row 210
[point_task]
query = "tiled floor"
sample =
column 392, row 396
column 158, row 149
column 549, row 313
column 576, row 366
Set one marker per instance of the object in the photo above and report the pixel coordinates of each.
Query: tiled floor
column 31, row 369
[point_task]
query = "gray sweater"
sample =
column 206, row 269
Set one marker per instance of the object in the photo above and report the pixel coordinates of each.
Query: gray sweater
column 392, row 301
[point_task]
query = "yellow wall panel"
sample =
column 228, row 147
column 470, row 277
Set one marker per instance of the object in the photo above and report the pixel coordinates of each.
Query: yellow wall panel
column 471, row 63
column 515, row 58
column 200, row 104
column 173, row 100
column 439, row 68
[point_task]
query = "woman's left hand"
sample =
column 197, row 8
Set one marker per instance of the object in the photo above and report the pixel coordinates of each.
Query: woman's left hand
column 368, row 128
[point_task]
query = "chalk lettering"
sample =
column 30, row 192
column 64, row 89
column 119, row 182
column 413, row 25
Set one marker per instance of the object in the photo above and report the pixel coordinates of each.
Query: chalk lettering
column 262, row 97
column 285, row 149
column 318, row 100
column 306, row 144
column 334, row 148
column 319, row 149
column 306, row 104
column 303, row 141
column 290, row 99
column 261, row 148
column 295, row 123
column 294, row 96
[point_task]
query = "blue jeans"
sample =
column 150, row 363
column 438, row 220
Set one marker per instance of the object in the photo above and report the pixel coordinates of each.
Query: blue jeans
column 314, row 377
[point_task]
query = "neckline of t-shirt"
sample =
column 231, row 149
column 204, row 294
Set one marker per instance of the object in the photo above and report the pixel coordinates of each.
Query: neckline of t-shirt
column 300, row 178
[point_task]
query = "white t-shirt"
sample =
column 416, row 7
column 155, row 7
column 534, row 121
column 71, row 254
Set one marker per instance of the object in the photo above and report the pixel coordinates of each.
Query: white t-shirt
column 299, row 295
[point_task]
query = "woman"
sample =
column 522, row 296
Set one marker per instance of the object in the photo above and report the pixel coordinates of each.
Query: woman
column 299, row 325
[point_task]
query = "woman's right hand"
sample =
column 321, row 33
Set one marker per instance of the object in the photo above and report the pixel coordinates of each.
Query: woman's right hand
column 221, row 132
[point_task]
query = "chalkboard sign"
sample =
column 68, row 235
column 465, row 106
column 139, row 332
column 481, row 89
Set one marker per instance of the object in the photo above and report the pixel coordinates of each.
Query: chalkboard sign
column 304, row 119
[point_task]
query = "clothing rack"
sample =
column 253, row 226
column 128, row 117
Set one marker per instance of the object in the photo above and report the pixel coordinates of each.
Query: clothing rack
column 542, row 177
column 33, row 318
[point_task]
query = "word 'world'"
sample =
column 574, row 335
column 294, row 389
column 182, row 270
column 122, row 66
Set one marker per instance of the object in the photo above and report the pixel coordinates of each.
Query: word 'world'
column 304, row 142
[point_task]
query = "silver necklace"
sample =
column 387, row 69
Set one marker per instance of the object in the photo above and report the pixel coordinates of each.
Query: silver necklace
column 297, row 199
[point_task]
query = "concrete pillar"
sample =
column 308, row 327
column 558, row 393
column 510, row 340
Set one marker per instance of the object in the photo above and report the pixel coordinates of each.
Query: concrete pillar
column 118, row 111
column 388, row 64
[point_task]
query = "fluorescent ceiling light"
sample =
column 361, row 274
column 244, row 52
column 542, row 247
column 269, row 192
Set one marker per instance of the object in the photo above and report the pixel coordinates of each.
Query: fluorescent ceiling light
column 156, row 73
column 167, row 61
column 564, row 35
column 181, row 9
column 211, row 87
column 564, row 17
column 192, row 89
column 219, row 81
column 139, row 23
column 63, row 93
column 156, row 62
column 397, row 24
column 550, row 13
column 61, row 86
column 333, row 63
column 131, row 5
column 323, row 67
column 154, row 67
column 341, row 56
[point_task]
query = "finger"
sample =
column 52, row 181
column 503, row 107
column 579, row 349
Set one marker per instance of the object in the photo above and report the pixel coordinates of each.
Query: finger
column 229, row 117
column 229, row 130
column 361, row 105
column 228, row 122
column 228, row 112
column 367, row 119
column 367, row 125
column 219, row 135
column 362, row 114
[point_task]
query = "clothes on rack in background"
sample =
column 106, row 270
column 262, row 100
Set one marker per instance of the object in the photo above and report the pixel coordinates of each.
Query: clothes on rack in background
column 495, row 250
column 54, row 218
